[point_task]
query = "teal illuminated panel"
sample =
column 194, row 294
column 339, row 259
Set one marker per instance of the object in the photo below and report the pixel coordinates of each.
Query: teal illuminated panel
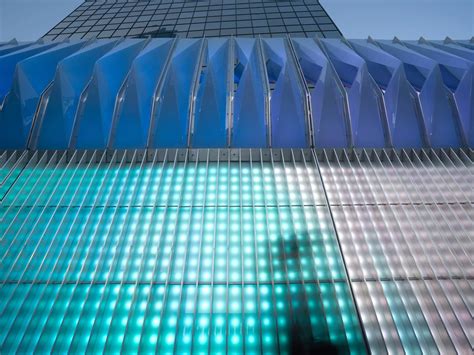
column 127, row 252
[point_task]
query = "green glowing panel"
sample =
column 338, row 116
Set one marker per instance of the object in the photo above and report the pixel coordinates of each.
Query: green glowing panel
column 112, row 253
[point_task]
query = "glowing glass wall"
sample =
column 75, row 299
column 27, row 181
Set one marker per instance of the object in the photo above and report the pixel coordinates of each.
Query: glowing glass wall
column 169, row 251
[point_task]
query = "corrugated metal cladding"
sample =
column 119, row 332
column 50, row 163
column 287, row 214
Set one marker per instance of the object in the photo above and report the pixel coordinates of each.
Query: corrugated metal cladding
column 237, row 92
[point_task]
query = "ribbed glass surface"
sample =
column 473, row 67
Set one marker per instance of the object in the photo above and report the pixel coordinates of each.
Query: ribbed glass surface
column 176, row 253
column 405, row 221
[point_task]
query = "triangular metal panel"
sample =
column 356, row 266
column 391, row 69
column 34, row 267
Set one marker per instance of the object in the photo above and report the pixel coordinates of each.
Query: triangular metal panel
column 134, row 108
column 367, row 111
column 457, row 74
column 438, row 107
column 249, row 126
column 170, row 120
column 93, row 121
column 210, row 124
column 32, row 76
column 10, row 59
column 56, row 121
column 330, row 113
column 404, row 118
column 288, row 117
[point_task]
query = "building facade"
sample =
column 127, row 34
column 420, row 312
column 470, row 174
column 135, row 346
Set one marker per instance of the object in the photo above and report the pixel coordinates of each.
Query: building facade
column 195, row 19
column 215, row 190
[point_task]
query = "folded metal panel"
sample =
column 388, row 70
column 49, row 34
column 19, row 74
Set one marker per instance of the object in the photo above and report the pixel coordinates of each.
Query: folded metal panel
column 54, row 124
column 404, row 117
column 458, row 76
column 18, row 110
column 251, row 96
column 439, row 109
column 135, row 102
column 289, row 121
column 210, row 124
column 170, row 118
column 10, row 57
column 366, row 106
column 329, row 110
column 93, row 121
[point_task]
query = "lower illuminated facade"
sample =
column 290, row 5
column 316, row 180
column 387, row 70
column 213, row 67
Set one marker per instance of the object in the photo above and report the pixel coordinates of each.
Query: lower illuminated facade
column 232, row 251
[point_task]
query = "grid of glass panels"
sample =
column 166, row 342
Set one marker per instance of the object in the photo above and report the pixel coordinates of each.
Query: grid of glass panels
column 405, row 221
column 184, row 18
column 170, row 251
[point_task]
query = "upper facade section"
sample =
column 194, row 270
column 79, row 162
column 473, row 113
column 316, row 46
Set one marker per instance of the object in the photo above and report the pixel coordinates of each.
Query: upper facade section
column 236, row 92
column 195, row 19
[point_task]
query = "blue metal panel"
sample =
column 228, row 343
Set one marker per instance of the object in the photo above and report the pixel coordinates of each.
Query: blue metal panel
column 439, row 109
column 20, row 104
column 237, row 92
column 55, row 123
column 249, row 127
column 454, row 48
column 288, row 116
column 93, row 121
column 12, row 47
column 330, row 114
column 170, row 120
column 457, row 73
column 368, row 118
column 9, row 60
column 132, row 122
column 405, row 122
column 210, row 124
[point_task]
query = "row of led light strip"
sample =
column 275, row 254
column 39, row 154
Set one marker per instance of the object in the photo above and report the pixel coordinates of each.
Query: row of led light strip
column 110, row 251
column 405, row 221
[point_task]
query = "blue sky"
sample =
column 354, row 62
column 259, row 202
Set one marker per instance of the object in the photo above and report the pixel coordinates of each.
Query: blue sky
column 408, row 19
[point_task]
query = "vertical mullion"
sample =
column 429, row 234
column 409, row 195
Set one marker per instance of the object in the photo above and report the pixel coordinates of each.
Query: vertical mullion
column 383, row 271
column 39, row 161
column 29, row 333
column 422, row 342
column 104, row 302
column 38, row 271
column 327, row 332
column 378, row 338
column 409, row 244
column 274, row 303
column 23, row 205
column 454, row 336
column 64, row 283
column 339, row 315
column 29, row 341
column 165, row 303
column 198, row 289
column 257, row 278
column 114, row 267
column 285, row 337
column 211, row 318
column 176, row 348
column 354, row 319
column 155, row 321
column 69, row 309
column 127, row 341
column 450, row 275
column 242, row 273
column 399, row 313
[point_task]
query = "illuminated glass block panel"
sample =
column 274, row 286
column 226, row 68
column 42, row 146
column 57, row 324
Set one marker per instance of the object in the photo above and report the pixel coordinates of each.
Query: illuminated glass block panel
column 129, row 252
column 404, row 221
